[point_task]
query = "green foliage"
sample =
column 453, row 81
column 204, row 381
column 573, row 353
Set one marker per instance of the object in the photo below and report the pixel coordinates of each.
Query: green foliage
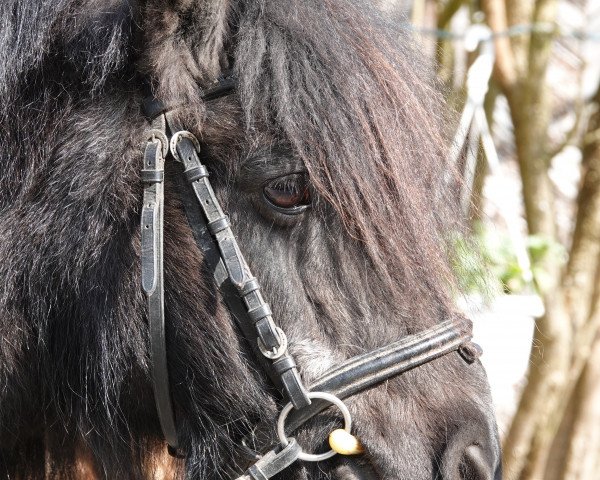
column 544, row 251
column 487, row 263
column 471, row 268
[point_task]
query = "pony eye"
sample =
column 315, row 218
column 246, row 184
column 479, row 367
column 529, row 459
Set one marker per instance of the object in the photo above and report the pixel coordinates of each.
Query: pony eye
column 289, row 194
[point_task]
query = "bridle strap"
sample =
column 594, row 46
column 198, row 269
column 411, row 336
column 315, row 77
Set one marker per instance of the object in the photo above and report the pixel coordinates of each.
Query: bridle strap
column 152, row 274
column 371, row 368
column 365, row 371
column 214, row 264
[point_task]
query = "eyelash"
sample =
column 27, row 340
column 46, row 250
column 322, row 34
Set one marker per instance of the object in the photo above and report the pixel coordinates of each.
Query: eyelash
column 285, row 184
column 289, row 195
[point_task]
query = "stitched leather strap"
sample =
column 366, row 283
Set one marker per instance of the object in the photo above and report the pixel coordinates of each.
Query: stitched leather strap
column 152, row 280
column 239, row 287
column 369, row 369
column 214, row 264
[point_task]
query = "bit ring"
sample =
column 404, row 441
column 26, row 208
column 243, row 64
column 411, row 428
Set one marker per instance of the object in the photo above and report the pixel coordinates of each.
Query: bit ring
column 314, row 457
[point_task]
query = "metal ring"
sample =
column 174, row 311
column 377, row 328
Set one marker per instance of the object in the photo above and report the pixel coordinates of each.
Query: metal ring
column 314, row 457
column 275, row 353
column 185, row 134
column 155, row 135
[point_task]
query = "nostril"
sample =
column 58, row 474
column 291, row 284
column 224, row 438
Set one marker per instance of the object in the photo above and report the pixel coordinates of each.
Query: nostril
column 474, row 465
column 472, row 450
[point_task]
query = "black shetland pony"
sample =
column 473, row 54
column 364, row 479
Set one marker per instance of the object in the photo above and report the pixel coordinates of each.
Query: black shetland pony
column 332, row 110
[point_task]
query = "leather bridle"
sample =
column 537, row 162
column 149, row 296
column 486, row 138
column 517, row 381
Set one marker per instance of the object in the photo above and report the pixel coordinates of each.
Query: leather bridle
column 242, row 294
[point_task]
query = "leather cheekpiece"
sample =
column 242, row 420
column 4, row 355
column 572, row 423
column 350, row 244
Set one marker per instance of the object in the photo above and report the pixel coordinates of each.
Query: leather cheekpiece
column 195, row 173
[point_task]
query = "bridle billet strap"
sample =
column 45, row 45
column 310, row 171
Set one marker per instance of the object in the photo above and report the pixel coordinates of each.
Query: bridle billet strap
column 152, row 273
column 241, row 292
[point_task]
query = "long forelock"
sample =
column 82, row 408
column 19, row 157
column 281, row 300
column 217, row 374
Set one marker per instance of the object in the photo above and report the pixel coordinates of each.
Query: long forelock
column 347, row 91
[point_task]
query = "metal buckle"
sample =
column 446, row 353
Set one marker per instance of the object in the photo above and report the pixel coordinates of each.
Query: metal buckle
column 313, row 457
column 177, row 138
column 156, row 135
column 275, row 353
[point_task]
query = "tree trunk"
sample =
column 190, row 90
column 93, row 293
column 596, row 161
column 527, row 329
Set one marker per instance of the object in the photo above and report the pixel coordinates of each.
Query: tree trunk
column 582, row 291
column 521, row 69
column 562, row 393
column 532, row 427
column 584, row 449
column 531, row 112
column 558, row 388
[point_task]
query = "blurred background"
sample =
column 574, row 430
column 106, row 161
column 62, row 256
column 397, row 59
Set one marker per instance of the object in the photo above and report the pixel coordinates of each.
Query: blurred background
column 523, row 77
